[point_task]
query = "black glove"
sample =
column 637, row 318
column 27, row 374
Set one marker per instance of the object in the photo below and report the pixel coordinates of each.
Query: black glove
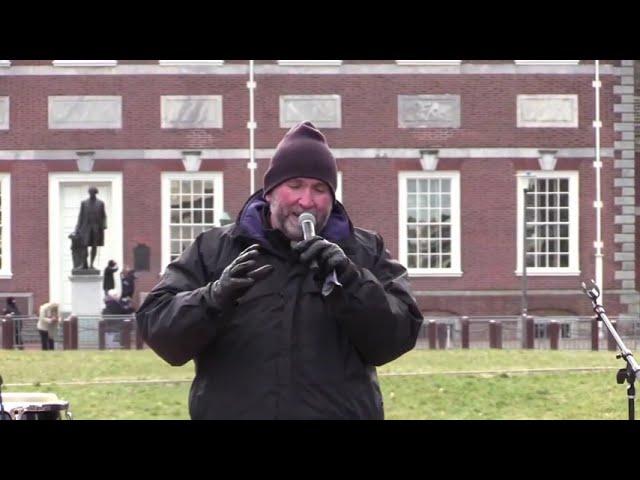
column 329, row 257
column 237, row 278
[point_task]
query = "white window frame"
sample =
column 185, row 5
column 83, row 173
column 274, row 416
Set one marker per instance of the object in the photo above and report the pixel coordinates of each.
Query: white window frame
column 574, row 226
column 456, row 269
column 85, row 63
column 547, row 62
column 310, row 63
column 339, row 188
column 190, row 63
column 428, row 62
column 218, row 205
column 5, row 186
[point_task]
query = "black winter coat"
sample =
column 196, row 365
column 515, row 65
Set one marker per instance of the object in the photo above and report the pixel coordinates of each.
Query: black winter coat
column 284, row 351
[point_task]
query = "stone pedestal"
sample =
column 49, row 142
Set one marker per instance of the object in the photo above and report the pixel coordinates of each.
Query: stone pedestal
column 86, row 294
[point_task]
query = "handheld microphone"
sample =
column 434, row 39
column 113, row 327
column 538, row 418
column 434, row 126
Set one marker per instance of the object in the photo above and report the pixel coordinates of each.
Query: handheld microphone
column 307, row 222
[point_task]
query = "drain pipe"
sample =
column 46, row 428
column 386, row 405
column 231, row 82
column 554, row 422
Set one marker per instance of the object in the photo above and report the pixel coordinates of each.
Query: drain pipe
column 598, row 245
column 251, row 125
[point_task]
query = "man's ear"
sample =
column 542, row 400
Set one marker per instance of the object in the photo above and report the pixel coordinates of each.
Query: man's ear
column 267, row 197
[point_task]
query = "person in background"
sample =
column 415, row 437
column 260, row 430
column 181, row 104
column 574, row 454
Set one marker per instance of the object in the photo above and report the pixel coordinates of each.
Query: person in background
column 48, row 319
column 12, row 310
column 108, row 282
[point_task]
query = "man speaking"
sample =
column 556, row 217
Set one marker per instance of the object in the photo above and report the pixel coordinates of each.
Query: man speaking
column 279, row 326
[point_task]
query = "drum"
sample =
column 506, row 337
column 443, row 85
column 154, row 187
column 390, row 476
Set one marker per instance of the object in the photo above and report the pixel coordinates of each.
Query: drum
column 34, row 406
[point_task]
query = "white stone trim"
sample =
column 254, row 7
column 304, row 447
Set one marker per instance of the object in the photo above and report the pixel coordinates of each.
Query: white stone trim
column 85, row 63
column 5, row 122
column 115, row 222
column 574, row 226
column 165, row 202
column 335, row 100
column 5, row 63
column 456, row 268
column 187, row 63
column 350, row 153
column 348, row 69
column 547, row 62
column 5, row 193
column 312, row 63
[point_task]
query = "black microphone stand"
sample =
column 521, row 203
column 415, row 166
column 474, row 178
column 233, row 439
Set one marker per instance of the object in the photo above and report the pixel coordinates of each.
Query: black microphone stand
column 631, row 371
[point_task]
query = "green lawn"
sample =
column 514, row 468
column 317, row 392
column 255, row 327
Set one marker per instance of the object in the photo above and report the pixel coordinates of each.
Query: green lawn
column 508, row 393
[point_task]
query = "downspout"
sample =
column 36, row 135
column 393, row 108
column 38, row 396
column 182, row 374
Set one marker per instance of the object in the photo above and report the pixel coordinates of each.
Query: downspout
column 251, row 125
column 598, row 245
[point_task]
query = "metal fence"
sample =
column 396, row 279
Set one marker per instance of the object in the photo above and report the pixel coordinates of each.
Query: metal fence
column 512, row 332
column 73, row 332
column 507, row 332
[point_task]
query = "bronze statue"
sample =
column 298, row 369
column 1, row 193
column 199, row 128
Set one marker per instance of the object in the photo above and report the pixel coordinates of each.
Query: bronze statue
column 89, row 232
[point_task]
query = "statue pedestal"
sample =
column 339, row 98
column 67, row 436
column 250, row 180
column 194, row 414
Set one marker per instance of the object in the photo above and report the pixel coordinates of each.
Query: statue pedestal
column 86, row 293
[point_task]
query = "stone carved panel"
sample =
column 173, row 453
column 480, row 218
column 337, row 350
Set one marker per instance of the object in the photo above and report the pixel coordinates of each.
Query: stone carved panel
column 85, row 112
column 191, row 111
column 429, row 111
column 324, row 111
column 556, row 111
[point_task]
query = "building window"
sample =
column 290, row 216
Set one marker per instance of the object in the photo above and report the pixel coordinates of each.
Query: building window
column 547, row 62
column 310, row 63
column 190, row 63
column 85, row 63
column 5, row 225
column 541, row 330
column 192, row 204
column 428, row 62
column 552, row 215
column 429, row 209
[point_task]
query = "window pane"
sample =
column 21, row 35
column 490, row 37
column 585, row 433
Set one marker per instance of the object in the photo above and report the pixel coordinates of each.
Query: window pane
column 412, row 215
column 564, row 214
column 411, row 185
column 411, row 201
column 197, row 186
column 412, row 246
column 208, row 217
column 423, row 186
column 445, row 185
column 411, row 261
column 175, row 201
column 412, row 232
column 424, row 261
column 175, row 216
column 197, row 216
column 186, row 186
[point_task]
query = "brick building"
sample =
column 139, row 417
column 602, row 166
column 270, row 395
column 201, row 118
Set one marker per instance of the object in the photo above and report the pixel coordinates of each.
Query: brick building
column 432, row 154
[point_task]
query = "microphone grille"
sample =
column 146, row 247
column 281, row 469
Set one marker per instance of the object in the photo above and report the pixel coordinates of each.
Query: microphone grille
column 306, row 217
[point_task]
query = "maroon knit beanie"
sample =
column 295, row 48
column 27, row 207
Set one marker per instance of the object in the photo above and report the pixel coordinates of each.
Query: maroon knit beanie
column 303, row 152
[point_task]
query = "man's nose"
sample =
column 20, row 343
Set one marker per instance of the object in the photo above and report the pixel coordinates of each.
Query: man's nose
column 306, row 199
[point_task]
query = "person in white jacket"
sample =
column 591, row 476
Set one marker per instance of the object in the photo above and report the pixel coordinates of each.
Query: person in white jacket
column 48, row 320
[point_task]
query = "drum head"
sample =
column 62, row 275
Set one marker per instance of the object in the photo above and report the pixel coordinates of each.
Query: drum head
column 34, row 405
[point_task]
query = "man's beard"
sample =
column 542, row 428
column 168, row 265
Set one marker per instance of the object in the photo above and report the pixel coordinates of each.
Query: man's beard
column 287, row 222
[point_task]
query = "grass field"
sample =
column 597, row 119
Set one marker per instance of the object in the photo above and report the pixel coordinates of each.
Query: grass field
column 423, row 384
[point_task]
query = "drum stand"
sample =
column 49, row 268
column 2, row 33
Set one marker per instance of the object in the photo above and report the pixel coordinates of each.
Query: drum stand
column 3, row 414
column 630, row 372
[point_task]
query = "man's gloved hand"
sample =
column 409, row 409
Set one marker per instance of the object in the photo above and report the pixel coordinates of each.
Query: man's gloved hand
column 237, row 278
column 329, row 257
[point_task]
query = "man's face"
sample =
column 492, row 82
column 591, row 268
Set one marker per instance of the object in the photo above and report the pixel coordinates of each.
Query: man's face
column 294, row 196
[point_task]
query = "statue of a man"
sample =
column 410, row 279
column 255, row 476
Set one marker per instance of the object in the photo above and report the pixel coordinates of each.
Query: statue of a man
column 89, row 232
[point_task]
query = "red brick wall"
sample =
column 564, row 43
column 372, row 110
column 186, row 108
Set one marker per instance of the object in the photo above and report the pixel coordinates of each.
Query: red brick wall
column 370, row 186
